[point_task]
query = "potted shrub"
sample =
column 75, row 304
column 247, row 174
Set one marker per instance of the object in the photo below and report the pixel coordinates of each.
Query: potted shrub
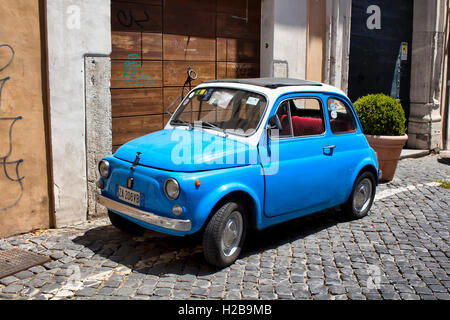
column 383, row 121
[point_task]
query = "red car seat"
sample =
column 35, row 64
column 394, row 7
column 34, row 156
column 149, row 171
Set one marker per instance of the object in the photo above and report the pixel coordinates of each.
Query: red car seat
column 302, row 126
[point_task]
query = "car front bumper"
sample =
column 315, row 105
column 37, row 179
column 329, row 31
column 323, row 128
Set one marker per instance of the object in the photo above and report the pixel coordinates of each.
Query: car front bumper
column 147, row 217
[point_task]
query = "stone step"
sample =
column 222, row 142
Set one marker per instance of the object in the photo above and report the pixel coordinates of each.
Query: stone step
column 444, row 154
column 413, row 153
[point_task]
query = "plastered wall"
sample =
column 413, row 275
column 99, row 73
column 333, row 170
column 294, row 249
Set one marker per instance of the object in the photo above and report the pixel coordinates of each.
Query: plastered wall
column 76, row 29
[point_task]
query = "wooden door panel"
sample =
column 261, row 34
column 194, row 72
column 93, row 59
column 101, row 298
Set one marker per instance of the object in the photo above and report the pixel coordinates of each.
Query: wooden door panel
column 160, row 39
column 169, row 95
column 237, row 50
column 185, row 48
column 125, row 43
column 175, row 72
column 230, row 70
column 239, row 7
column 147, row 45
column 126, row 129
column 146, row 74
column 136, row 102
column 229, row 26
column 147, row 2
column 152, row 46
column 166, row 119
column 193, row 17
column 239, row 19
column 135, row 17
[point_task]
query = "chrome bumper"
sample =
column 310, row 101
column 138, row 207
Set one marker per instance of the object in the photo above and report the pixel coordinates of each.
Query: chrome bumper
column 148, row 217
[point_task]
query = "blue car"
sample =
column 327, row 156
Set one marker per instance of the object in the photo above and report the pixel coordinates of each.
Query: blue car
column 240, row 154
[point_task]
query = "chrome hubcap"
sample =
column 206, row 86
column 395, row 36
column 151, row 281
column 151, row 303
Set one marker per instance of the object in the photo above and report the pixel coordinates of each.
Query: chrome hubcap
column 363, row 195
column 232, row 233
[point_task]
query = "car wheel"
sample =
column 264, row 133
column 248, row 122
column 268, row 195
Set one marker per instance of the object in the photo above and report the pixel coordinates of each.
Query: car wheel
column 362, row 196
column 224, row 235
column 124, row 224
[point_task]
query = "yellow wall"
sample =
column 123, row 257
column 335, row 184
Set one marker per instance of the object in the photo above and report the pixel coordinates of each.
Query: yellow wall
column 315, row 39
column 24, row 202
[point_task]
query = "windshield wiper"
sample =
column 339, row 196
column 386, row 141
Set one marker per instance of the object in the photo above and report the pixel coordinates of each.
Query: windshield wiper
column 202, row 123
column 180, row 121
column 213, row 126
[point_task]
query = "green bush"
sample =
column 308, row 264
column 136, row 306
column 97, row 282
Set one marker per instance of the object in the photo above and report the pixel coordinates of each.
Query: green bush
column 381, row 115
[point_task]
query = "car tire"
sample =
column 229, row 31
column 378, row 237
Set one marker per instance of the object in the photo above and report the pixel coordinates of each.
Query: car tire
column 124, row 224
column 362, row 196
column 224, row 235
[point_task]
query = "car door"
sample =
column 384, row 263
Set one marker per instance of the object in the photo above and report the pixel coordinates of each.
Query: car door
column 298, row 176
column 344, row 135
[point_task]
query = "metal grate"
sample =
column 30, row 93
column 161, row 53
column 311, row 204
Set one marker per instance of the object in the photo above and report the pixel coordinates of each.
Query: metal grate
column 16, row 260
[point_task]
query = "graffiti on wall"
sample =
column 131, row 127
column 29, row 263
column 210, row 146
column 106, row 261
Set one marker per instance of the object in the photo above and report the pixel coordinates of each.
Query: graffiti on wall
column 5, row 163
column 3, row 81
column 134, row 75
column 128, row 20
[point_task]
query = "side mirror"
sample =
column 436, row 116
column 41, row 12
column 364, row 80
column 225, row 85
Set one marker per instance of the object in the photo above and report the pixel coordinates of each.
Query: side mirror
column 275, row 123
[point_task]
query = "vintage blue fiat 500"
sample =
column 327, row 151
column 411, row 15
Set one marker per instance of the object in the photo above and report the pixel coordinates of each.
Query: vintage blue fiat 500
column 239, row 154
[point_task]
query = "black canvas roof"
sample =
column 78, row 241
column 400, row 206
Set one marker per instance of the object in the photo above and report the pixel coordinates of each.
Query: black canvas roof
column 269, row 82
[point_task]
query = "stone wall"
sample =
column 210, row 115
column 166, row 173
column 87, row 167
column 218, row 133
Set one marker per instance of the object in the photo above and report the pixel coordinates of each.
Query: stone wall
column 98, row 124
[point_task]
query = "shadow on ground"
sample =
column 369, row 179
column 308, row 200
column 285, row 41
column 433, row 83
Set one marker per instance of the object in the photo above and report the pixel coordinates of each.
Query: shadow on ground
column 444, row 161
column 157, row 254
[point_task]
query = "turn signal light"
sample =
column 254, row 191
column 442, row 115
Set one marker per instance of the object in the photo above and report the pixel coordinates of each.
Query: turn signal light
column 198, row 183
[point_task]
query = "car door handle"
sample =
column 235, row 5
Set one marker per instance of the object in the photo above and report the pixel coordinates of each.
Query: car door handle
column 330, row 148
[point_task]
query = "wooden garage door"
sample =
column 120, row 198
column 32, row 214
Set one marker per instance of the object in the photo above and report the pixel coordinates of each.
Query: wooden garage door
column 154, row 42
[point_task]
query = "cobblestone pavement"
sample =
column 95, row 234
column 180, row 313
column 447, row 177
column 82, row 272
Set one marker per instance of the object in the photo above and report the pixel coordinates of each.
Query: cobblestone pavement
column 400, row 251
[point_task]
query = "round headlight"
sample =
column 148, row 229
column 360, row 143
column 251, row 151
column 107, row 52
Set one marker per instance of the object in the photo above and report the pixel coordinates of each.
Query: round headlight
column 103, row 168
column 172, row 189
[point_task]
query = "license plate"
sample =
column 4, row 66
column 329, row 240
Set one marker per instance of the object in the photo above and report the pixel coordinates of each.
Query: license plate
column 129, row 196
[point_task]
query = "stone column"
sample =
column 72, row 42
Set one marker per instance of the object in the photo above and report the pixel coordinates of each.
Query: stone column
column 98, row 124
column 337, row 43
column 424, row 129
column 446, row 90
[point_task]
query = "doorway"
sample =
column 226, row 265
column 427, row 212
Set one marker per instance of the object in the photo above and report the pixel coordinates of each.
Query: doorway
column 380, row 49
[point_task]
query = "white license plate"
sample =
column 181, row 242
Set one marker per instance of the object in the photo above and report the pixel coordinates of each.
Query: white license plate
column 129, row 196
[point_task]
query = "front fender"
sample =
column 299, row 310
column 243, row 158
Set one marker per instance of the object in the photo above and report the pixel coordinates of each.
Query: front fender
column 224, row 185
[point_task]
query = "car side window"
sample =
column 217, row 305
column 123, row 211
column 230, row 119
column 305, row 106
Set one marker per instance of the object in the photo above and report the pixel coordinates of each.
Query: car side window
column 283, row 115
column 306, row 117
column 341, row 117
column 301, row 117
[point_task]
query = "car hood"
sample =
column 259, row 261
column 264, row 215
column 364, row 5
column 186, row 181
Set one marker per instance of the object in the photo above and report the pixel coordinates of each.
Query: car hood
column 187, row 151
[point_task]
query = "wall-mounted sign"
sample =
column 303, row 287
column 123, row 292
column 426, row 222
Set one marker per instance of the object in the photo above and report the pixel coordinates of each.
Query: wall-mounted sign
column 404, row 51
column 280, row 69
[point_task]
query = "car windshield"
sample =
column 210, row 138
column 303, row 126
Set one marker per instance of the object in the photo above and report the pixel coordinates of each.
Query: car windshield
column 232, row 111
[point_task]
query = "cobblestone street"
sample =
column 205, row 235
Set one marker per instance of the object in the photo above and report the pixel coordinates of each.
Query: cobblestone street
column 400, row 251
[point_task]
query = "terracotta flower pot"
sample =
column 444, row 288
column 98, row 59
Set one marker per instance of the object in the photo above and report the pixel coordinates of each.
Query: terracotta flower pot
column 388, row 149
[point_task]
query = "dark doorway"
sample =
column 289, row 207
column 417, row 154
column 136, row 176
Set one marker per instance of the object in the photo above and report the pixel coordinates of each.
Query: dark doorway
column 380, row 49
